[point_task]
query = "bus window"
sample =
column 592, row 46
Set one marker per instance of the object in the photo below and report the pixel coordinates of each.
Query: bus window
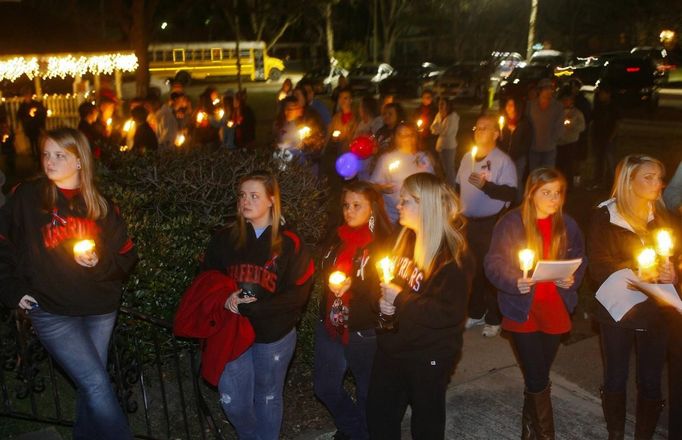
column 244, row 53
column 189, row 55
column 179, row 55
column 216, row 54
column 228, row 53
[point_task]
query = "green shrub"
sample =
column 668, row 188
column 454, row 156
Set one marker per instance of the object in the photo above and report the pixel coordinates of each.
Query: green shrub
column 354, row 54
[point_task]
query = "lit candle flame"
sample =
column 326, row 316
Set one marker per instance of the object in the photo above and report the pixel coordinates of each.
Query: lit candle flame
column 645, row 260
column 281, row 95
column 337, row 278
column 109, row 122
column 474, row 150
column 5, row 137
column 420, row 122
column 567, row 122
column 128, row 125
column 386, row 266
column 216, row 101
column 83, row 247
column 230, row 124
column 200, row 117
column 49, row 113
column 501, row 122
column 32, row 112
column 526, row 260
column 221, row 113
column 179, row 140
column 393, row 166
column 336, row 133
column 664, row 243
column 304, row 132
column 123, row 148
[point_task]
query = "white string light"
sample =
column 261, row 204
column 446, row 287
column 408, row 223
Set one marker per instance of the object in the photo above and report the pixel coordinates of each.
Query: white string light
column 66, row 65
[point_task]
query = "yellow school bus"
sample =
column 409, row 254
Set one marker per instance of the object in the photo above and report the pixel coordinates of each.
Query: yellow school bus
column 185, row 61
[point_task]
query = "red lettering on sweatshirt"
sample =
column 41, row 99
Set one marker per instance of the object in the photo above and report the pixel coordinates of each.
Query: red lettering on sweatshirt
column 250, row 273
column 77, row 228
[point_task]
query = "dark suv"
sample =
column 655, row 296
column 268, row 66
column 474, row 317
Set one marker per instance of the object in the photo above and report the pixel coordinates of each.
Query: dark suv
column 633, row 81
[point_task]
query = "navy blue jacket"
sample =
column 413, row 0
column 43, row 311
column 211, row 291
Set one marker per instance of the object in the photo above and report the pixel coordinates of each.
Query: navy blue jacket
column 502, row 265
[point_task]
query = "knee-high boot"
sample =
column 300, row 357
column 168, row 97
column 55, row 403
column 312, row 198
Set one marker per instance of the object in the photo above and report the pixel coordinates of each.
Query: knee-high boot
column 648, row 412
column 542, row 414
column 527, row 431
column 613, row 405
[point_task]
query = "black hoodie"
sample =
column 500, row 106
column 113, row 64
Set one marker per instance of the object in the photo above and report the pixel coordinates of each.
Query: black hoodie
column 36, row 254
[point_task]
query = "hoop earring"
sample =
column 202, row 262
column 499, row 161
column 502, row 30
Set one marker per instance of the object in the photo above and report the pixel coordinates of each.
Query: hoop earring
column 371, row 223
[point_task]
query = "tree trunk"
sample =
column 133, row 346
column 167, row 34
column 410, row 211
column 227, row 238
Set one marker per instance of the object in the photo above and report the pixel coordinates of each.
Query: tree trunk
column 139, row 40
column 531, row 27
column 329, row 30
column 387, row 52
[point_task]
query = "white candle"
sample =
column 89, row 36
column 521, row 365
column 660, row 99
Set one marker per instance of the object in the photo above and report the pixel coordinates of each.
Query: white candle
column 386, row 266
column 526, row 259
column 664, row 243
column 501, row 122
column 128, row 125
column 645, row 260
column 474, row 150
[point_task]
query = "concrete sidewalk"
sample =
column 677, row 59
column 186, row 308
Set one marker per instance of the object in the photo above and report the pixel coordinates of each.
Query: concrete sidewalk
column 485, row 396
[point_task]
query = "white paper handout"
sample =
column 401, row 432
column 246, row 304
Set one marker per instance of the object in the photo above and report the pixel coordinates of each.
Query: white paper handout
column 615, row 296
column 664, row 293
column 550, row 270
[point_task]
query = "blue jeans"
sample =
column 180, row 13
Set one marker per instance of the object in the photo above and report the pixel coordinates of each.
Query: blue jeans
column 251, row 388
column 539, row 159
column 79, row 344
column 447, row 160
column 332, row 361
column 617, row 343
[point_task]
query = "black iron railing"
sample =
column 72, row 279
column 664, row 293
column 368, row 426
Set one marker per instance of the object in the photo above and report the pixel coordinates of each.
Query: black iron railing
column 155, row 375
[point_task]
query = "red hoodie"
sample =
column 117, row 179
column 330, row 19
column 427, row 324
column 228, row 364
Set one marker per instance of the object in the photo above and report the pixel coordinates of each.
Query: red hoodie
column 202, row 314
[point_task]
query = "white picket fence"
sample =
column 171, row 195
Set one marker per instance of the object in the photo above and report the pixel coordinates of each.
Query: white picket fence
column 62, row 110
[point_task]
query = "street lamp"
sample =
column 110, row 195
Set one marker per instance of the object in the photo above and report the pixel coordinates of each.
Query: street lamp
column 164, row 25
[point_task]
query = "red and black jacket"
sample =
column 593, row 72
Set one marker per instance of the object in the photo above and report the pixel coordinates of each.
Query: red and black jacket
column 36, row 253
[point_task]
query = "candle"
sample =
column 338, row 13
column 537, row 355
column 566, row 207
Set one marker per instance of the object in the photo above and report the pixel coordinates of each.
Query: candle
column 281, row 95
column 221, row 113
column 304, row 132
column 336, row 279
column 336, row 133
column 216, row 101
column 49, row 113
column 109, row 122
column 567, row 122
column 32, row 112
column 128, row 125
column 645, row 260
column 230, row 124
column 501, row 122
column 83, row 247
column 664, row 243
column 474, row 150
column 386, row 266
column 179, row 140
column 123, row 148
column 393, row 166
column 526, row 259
column 200, row 117
column 420, row 123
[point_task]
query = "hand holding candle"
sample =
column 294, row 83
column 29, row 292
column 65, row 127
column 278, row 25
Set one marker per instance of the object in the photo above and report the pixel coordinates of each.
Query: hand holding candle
column 664, row 243
column 526, row 260
column 84, row 253
column 338, row 283
column 645, row 261
column 386, row 270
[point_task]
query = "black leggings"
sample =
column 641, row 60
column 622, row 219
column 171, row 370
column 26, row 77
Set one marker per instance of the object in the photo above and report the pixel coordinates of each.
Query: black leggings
column 536, row 352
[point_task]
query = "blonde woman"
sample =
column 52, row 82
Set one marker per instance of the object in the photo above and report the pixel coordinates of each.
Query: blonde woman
column 71, row 297
column 620, row 228
column 428, row 298
column 536, row 314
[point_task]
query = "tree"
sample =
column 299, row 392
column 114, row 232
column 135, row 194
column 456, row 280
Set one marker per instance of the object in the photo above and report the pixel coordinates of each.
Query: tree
column 393, row 14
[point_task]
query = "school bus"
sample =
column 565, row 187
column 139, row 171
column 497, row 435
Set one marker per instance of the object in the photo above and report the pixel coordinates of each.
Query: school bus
column 185, row 61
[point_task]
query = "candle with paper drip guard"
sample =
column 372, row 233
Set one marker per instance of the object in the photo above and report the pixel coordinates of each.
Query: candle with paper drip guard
column 474, row 150
column 646, row 259
column 664, row 244
column 526, row 260
column 83, row 247
column 336, row 279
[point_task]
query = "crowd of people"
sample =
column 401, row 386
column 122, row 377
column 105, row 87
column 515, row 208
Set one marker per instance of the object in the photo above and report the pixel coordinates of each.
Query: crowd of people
column 423, row 246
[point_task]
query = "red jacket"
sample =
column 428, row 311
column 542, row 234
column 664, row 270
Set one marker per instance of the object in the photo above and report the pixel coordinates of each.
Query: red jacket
column 202, row 314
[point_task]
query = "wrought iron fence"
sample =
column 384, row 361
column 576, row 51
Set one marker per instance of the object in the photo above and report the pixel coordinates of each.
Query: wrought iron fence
column 155, row 376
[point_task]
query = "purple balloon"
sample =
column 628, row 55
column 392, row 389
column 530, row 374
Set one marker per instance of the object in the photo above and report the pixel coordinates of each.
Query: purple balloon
column 347, row 165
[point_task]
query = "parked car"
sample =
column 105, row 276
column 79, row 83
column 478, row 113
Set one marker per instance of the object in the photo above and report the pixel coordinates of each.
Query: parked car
column 523, row 79
column 410, row 80
column 589, row 69
column 658, row 55
column 503, row 63
column 324, row 79
column 552, row 58
column 634, row 81
column 365, row 79
column 463, row 80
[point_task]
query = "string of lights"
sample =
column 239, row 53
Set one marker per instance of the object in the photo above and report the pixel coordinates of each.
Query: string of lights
column 51, row 66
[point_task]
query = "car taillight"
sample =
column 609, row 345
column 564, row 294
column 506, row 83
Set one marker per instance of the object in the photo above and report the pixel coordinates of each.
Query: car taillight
column 632, row 69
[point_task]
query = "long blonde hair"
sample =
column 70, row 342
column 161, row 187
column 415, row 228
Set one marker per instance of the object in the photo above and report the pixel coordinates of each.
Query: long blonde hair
column 441, row 225
column 271, row 190
column 536, row 179
column 622, row 190
column 76, row 143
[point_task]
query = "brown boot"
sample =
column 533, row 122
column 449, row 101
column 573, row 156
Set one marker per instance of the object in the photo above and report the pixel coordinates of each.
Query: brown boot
column 527, row 432
column 647, row 417
column 542, row 414
column 613, row 405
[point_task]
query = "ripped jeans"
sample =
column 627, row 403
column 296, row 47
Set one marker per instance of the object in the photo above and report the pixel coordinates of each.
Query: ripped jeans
column 251, row 388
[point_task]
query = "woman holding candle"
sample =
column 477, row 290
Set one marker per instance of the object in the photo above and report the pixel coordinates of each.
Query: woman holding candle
column 428, row 296
column 536, row 314
column 445, row 125
column 620, row 228
column 71, row 293
column 344, row 337
column 272, row 267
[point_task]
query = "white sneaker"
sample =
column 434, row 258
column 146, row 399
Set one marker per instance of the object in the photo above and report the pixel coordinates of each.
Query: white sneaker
column 473, row 322
column 490, row 331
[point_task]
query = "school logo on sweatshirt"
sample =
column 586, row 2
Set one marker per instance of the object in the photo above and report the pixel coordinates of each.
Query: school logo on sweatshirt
column 251, row 273
column 61, row 229
column 408, row 271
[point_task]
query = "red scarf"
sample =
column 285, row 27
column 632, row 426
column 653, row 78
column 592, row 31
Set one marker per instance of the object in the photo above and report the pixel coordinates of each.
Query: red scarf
column 352, row 239
column 346, row 117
